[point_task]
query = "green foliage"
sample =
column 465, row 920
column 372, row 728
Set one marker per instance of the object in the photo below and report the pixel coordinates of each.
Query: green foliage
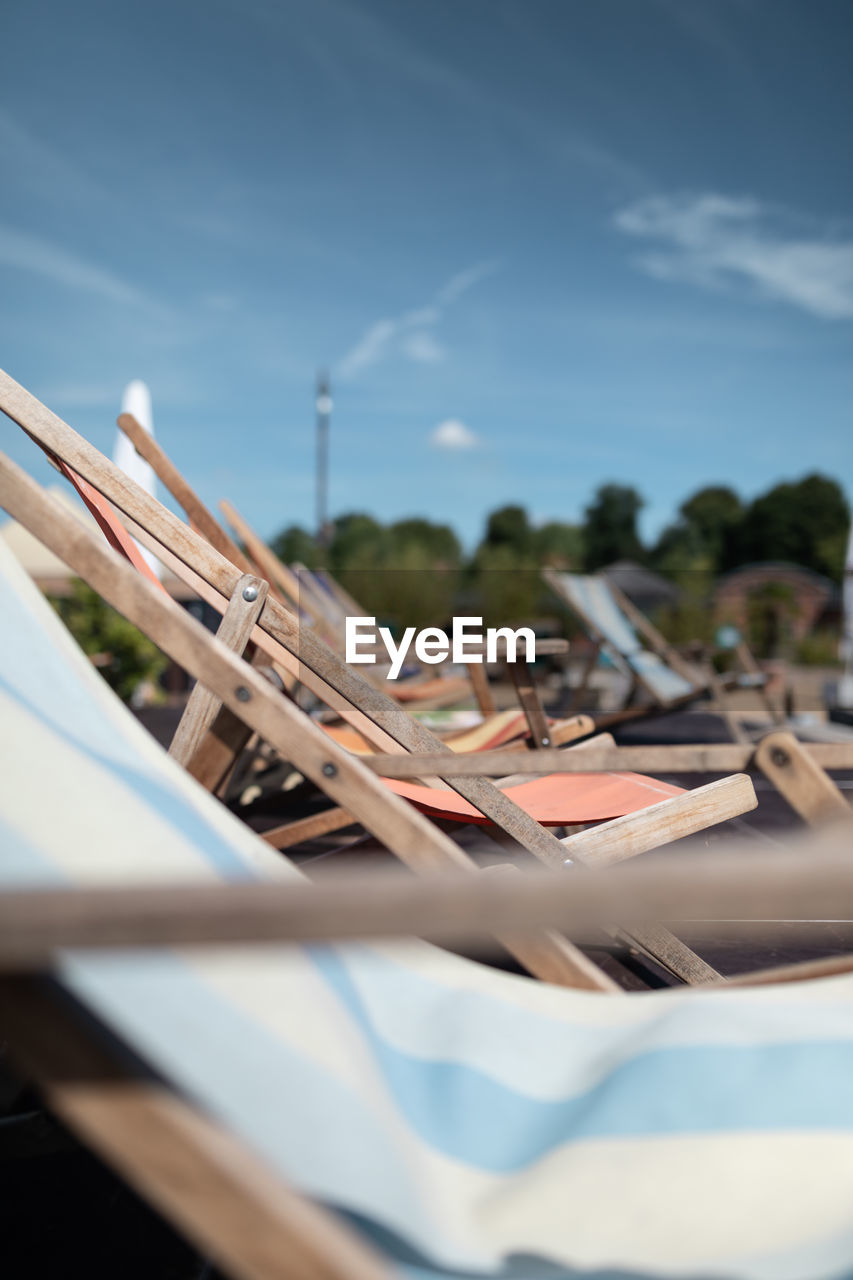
column 358, row 542
column 610, row 526
column 505, row 587
column 805, row 522
column 413, row 571
column 820, row 649
column 698, row 538
column 438, row 542
column 558, row 545
column 509, row 527
column 129, row 656
column 295, row 544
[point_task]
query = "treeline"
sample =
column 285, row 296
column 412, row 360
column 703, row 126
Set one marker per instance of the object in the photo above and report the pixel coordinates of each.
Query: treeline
column 805, row 522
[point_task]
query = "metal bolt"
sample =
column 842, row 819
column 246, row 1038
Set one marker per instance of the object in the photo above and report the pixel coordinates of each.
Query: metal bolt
column 243, row 694
column 780, row 757
column 546, row 742
column 329, row 769
column 250, row 593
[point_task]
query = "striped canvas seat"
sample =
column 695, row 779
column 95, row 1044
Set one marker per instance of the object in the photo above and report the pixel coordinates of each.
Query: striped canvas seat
column 470, row 1122
column 592, row 599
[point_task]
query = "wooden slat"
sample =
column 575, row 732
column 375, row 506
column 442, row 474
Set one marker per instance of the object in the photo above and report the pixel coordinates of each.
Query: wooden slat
column 528, row 697
column 234, row 1207
column 698, row 758
column 234, row 630
column 808, row 882
column 793, row 770
column 247, row 695
column 804, row 971
column 270, row 565
column 318, row 824
column 217, row 753
column 482, row 689
column 660, row 824
column 185, row 496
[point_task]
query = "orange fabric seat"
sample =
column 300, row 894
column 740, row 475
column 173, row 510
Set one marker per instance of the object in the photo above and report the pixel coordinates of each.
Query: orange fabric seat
column 421, row 690
column 558, row 800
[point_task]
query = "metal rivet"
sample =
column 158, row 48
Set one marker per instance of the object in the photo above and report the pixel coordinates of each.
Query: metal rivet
column 329, row 769
column 250, row 594
column 243, row 694
column 780, row 757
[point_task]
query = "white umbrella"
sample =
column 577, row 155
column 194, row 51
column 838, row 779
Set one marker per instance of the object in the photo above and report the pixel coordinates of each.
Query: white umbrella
column 137, row 401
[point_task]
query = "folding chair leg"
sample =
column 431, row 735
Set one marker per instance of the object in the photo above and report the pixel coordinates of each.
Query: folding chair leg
column 721, row 702
column 215, row 1191
column 531, row 705
column 234, row 630
column 482, row 690
column 580, row 690
column 808, row 789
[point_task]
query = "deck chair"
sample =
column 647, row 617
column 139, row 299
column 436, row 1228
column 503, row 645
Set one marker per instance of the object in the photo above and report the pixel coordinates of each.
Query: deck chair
column 277, row 633
column 357, row 1112
column 553, row 800
column 658, row 674
column 322, row 602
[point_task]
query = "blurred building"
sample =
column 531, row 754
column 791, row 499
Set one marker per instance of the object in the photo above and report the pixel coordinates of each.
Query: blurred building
column 776, row 604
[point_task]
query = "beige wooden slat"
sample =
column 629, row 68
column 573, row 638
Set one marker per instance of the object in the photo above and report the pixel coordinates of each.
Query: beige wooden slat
column 234, row 631
column 235, row 1208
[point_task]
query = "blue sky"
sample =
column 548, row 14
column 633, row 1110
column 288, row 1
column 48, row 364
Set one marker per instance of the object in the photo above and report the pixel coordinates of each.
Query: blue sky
column 541, row 244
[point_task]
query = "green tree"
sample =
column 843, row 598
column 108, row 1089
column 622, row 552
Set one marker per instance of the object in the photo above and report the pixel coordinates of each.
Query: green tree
column 804, row 521
column 125, row 656
column 509, row 527
column 610, row 526
column 558, row 545
column 437, row 542
column 296, row 543
column 697, row 540
column 358, row 542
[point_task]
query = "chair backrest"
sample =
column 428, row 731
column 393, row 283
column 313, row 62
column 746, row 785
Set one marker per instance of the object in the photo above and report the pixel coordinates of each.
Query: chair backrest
column 593, row 601
column 466, row 1119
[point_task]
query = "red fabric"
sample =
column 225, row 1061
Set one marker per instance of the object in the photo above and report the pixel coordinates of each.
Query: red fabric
column 110, row 524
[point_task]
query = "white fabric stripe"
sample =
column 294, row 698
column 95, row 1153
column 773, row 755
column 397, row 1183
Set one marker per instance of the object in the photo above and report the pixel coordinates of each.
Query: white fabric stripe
column 548, row 1058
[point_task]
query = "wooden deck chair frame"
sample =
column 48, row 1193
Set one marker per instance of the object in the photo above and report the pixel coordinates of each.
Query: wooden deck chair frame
column 245, row 694
column 296, row 591
column 703, row 682
column 370, row 711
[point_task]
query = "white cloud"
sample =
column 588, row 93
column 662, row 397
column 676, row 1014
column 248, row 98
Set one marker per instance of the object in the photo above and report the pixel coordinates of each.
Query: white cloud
column 423, row 348
column 453, row 434
column 716, row 241
column 27, row 252
column 411, row 333
column 370, row 348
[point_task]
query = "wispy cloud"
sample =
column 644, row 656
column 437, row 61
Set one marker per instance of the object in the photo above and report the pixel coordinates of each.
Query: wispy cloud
column 717, row 242
column 41, row 167
column 454, row 435
column 27, row 252
column 412, row 333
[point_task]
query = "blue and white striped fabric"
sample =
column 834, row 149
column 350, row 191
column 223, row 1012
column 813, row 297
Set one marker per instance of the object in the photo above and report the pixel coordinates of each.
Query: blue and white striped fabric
column 473, row 1123
column 592, row 600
